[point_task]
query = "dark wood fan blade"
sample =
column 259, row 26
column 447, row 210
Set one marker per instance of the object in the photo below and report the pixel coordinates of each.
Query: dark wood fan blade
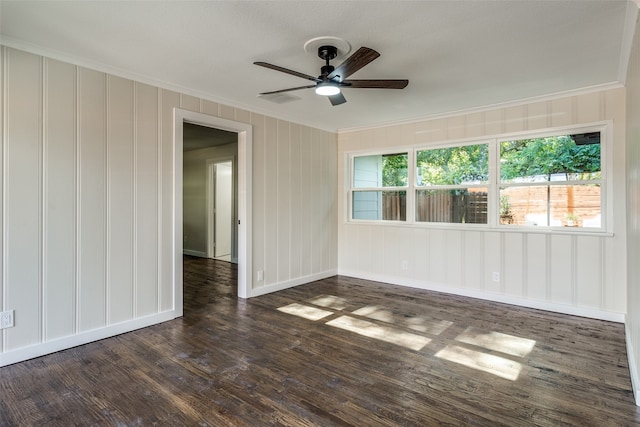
column 337, row 99
column 359, row 59
column 287, row 90
column 288, row 71
column 376, row 84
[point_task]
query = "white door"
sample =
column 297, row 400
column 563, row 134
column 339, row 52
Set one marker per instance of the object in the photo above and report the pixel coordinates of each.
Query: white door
column 223, row 209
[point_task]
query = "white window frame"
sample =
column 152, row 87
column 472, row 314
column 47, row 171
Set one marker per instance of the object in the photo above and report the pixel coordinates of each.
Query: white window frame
column 490, row 146
column 493, row 221
column 351, row 189
column 606, row 193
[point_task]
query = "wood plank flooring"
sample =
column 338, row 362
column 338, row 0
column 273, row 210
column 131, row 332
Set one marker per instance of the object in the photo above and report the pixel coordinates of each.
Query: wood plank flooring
column 337, row 352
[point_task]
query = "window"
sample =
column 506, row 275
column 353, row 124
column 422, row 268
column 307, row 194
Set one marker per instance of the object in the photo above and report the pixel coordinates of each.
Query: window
column 552, row 180
column 451, row 184
column 379, row 190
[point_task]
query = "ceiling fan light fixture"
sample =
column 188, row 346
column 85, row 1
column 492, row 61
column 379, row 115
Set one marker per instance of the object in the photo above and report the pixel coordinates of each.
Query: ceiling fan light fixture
column 327, row 89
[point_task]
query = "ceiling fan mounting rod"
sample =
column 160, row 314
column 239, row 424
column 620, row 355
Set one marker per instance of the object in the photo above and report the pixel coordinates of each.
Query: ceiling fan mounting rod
column 327, row 53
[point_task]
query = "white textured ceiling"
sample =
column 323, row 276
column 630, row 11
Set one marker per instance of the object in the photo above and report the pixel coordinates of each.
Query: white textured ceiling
column 457, row 55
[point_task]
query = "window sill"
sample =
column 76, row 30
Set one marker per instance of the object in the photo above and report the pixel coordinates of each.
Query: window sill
column 573, row 231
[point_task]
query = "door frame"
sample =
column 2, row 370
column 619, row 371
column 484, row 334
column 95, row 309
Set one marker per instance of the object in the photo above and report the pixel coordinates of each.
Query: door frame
column 211, row 204
column 245, row 162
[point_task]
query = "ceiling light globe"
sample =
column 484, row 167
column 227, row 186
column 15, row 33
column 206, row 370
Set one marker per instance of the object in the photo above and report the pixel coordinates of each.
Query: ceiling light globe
column 327, row 89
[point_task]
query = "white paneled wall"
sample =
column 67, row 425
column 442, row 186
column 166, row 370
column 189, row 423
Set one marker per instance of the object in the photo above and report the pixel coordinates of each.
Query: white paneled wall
column 570, row 273
column 294, row 203
column 633, row 213
column 86, row 191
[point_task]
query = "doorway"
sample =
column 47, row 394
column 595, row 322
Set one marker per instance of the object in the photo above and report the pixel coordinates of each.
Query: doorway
column 244, row 219
column 221, row 230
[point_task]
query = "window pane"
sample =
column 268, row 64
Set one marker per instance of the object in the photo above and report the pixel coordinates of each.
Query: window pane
column 463, row 206
column 551, row 205
column 558, row 158
column 453, row 166
column 380, row 205
column 388, row 170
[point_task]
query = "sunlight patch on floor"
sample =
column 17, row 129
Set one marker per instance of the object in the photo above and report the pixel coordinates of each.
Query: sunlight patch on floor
column 431, row 326
column 375, row 312
column 496, row 365
column 305, row 311
column 330, row 301
column 417, row 323
column 497, row 341
column 382, row 333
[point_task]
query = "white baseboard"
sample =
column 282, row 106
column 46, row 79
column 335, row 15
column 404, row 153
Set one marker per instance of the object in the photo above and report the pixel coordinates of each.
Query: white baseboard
column 491, row 296
column 633, row 370
column 41, row 349
column 291, row 283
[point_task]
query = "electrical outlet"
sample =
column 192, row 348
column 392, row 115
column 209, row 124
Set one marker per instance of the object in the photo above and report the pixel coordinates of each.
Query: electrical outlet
column 405, row 264
column 260, row 275
column 6, row 319
column 496, row 276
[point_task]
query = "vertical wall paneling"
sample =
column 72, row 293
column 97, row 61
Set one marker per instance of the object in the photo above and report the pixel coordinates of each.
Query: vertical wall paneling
column 92, row 199
column 494, row 122
column 24, row 198
column 168, row 100
column 242, row 116
column 3, row 119
column 561, row 271
column 316, row 202
column 331, row 174
column 362, row 249
column 146, row 200
column 454, row 257
column 561, row 112
column 437, row 259
column 512, row 277
column 120, row 199
column 209, row 107
column 472, row 260
column 514, row 119
column 306, row 196
column 259, row 198
column 88, row 225
column 271, row 203
column 589, row 107
column 536, row 267
column 190, row 103
column 492, row 254
column 541, row 269
column 538, row 115
column 456, row 127
column 393, row 258
column 420, row 265
column 3, row 169
column 295, row 196
column 283, row 185
column 589, row 273
column 59, row 145
column 226, row 112
column 632, row 155
column 475, row 125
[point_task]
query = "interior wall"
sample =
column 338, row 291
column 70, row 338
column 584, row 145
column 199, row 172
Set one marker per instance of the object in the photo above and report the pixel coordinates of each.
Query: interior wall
column 570, row 273
column 87, row 218
column 294, row 204
column 194, row 208
column 633, row 213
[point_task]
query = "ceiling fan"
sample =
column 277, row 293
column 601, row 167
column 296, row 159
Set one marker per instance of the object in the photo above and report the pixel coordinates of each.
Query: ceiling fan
column 331, row 79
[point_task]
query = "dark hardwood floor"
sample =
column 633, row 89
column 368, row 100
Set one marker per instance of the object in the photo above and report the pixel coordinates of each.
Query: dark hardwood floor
column 337, row 352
